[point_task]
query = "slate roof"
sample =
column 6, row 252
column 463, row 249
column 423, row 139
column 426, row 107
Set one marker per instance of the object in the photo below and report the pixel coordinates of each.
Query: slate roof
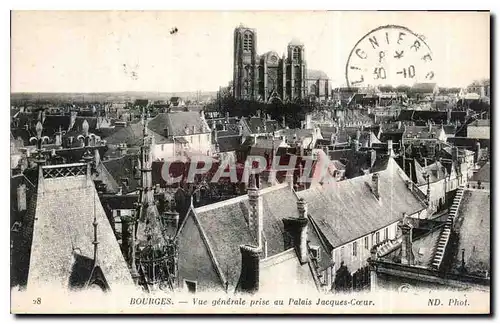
column 132, row 136
column 176, row 122
column 266, row 126
column 124, row 167
column 53, row 122
column 473, row 225
column 346, row 210
column 483, row 174
column 226, row 226
column 63, row 228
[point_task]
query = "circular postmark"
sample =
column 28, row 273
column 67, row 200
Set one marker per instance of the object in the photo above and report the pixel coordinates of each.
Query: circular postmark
column 389, row 55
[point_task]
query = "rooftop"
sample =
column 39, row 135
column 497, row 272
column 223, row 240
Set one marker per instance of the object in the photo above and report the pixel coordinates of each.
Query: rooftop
column 347, row 210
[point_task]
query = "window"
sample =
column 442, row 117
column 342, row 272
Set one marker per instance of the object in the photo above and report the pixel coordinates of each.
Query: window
column 354, row 248
column 377, row 238
column 366, row 242
column 247, row 42
column 386, row 233
column 315, row 252
column 296, row 55
column 191, row 286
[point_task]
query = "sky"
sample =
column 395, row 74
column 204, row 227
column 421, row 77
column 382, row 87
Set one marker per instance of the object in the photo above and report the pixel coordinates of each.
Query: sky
column 106, row 51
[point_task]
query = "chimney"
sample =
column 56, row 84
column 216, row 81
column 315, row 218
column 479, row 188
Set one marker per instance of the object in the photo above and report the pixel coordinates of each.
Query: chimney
column 430, row 126
column 448, row 117
column 376, row 185
column 21, row 198
column 250, row 266
column 373, row 157
column 167, row 131
column 355, row 145
column 296, row 228
column 258, row 113
column 289, row 179
column 171, row 222
column 193, row 129
column 202, row 114
column 406, row 245
column 478, row 152
column 240, row 130
column 390, row 150
column 255, row 217
column 399, row 124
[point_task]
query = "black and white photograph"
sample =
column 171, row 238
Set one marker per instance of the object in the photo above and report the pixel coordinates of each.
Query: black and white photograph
column 262, row 162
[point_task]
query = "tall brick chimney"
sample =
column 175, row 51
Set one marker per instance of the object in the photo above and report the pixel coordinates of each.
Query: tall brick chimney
column 250, row 268
column 406, row 245
column 296, row 229
column 255, row 217
column 21, row 198
column 376, row 185
column 390, row 149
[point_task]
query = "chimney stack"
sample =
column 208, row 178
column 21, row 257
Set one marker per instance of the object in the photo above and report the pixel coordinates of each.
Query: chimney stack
column 289, row 179
column 399, row 124
column 250, row 267
column 375, row 185
column 478, row 151
column 373, row 157
column 406, row 245
column 21, row 198
column 390, row 149
column 296, row 228
column 255, row 217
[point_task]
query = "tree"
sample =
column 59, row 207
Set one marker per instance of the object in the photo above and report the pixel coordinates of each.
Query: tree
column 343, row 279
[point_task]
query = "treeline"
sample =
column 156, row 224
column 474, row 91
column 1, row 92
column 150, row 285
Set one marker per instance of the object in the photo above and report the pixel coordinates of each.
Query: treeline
column 293, row 112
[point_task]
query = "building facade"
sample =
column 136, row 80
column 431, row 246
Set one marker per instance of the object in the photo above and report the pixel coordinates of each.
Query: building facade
column 269, row 77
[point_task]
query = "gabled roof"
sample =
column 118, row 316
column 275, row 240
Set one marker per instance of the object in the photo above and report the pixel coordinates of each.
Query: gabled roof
column 225, row 225
column 63, row 229
column 346, row 210
column 178, row 122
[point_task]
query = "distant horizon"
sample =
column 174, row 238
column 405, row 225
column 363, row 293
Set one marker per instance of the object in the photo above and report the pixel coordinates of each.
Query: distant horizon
column 108, row 51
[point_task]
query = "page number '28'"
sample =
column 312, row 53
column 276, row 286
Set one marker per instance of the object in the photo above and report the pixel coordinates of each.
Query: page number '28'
column 37, row 301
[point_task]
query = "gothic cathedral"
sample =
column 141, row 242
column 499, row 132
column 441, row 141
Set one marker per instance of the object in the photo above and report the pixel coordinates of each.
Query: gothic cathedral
column 268, row 77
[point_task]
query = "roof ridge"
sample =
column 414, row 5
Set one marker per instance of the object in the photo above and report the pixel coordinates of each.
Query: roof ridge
column 220, row 204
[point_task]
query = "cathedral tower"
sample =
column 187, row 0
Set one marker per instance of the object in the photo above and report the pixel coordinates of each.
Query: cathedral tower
column 296, row 71
column 245, row 81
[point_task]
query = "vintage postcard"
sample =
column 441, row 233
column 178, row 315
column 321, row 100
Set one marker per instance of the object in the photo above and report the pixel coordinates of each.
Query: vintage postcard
column 315, row 162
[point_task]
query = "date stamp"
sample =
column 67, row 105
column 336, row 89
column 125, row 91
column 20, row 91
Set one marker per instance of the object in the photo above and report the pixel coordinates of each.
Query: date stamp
column 389, row 55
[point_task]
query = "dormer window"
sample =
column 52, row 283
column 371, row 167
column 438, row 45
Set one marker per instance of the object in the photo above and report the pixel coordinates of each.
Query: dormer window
column 315, row 252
